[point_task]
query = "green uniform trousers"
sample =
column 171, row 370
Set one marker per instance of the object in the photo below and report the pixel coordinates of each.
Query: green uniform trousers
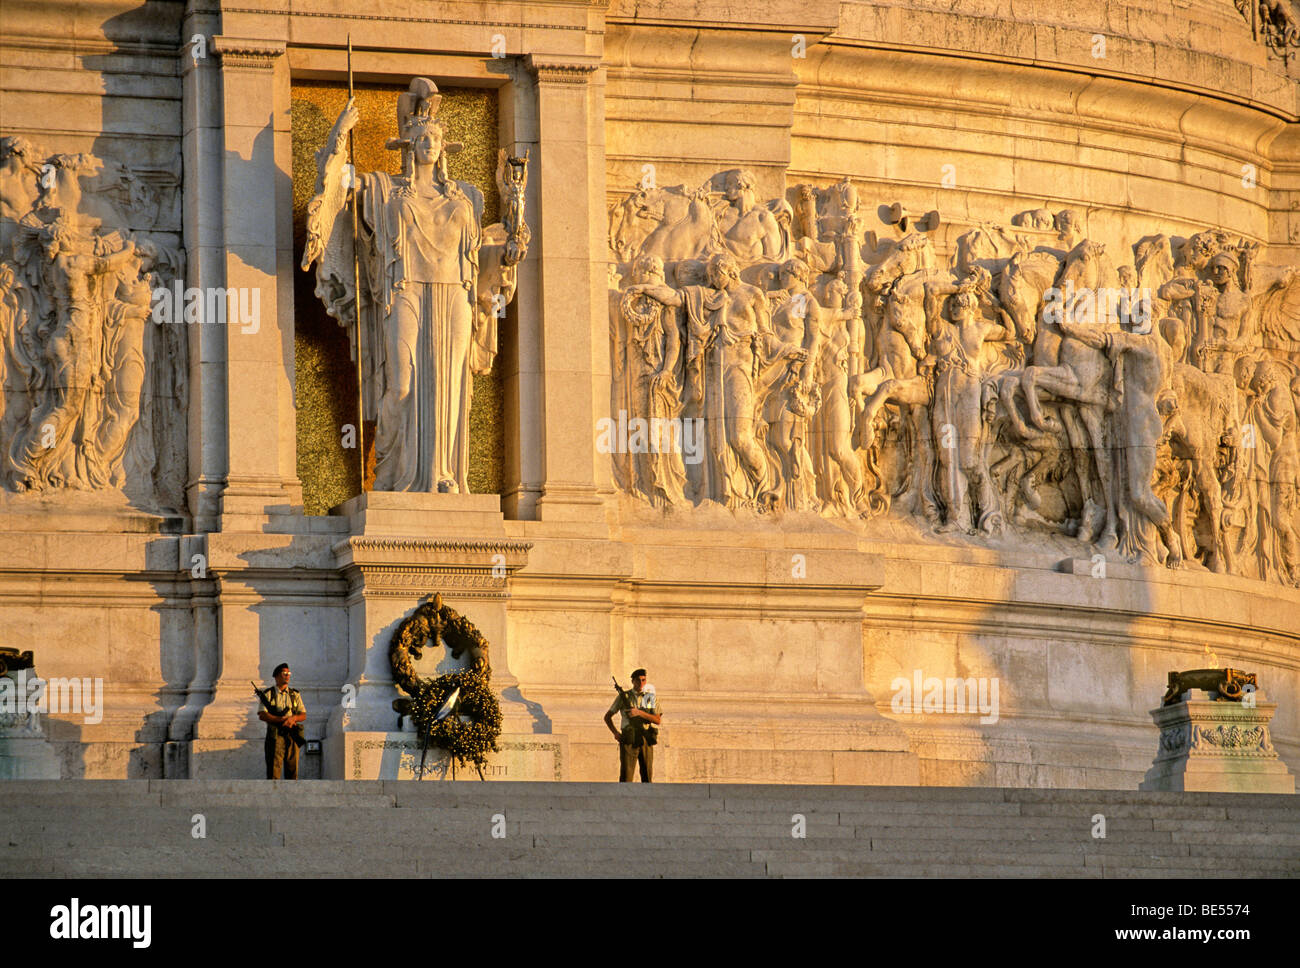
column 630, row 756
column 281, row 755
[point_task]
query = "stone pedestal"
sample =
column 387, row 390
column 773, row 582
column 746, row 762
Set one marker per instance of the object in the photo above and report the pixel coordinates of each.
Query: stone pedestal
column 25, row 753
column 1217, row 747
column 396, row 756
column 405, row 548
column 377, row 514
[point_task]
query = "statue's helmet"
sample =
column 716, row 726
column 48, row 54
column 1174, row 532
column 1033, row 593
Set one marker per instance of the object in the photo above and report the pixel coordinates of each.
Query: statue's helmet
column 1223, row 263
column 418, row 105
column 417, row 112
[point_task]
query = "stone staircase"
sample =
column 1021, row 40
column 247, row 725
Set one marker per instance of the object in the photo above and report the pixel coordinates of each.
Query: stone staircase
column 146, row 828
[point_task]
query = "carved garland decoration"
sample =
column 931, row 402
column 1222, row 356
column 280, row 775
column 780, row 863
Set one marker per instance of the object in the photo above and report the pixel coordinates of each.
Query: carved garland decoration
column 1234, row 738
column 1250, row 740
column 470, row 733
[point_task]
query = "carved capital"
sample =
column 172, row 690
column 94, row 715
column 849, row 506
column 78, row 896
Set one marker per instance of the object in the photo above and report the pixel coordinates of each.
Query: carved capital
column 243, row 53
column 562, row 70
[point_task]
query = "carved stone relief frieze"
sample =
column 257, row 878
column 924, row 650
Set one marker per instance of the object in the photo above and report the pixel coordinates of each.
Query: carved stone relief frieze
column 779, row 356
column 1274, row 23
column 94, row 390
column 1234, row 738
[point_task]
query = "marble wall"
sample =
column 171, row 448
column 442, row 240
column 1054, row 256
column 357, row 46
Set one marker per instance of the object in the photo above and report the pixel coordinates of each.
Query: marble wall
column 775, row 629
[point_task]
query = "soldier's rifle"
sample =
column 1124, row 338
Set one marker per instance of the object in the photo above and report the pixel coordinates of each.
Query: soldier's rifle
column 644, row 729
column 295, row 730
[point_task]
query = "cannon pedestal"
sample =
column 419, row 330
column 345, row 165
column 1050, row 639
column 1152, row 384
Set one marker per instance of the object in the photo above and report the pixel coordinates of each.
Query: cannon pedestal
column 1217, row 747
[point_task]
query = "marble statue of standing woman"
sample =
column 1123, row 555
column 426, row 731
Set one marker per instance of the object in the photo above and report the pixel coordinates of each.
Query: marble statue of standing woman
column 425, row 305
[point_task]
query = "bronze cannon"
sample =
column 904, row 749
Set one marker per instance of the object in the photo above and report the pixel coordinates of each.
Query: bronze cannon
column 1229, row 684
column 12, row 659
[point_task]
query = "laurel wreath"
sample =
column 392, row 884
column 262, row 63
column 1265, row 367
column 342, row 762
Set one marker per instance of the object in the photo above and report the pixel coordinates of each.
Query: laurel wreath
column 470, row 734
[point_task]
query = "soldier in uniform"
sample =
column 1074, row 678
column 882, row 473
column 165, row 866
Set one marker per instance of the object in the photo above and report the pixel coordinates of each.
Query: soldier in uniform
column 281, row 750
column 640, row 713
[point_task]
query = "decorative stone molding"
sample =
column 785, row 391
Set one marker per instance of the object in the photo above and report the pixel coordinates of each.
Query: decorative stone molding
column 1218, row 747
column 568, row 70
column 541, row 21
column 361, row 550
column 402, row 567
column 241, row 53
column 430, row 544
column 384, row 582
column 1036, row 384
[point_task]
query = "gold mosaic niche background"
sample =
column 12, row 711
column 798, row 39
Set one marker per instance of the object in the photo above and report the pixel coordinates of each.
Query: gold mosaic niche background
column 326, row 375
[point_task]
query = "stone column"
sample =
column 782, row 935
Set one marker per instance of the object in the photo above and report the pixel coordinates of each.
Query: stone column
column 204, row 646
column 261, row 482
column 1280, row 185
column 201, row 146
column 559, row 338
column 247, row 482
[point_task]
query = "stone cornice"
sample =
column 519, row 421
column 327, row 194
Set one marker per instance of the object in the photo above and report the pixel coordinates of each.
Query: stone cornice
column 247, row 53
column 1203, row 48
column 809, row 16
column 428, row 556
column 473, row 15
column 82, row 25
column 568, row 69
column 387, row 581
column 1107, row 101
column 425, row 545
